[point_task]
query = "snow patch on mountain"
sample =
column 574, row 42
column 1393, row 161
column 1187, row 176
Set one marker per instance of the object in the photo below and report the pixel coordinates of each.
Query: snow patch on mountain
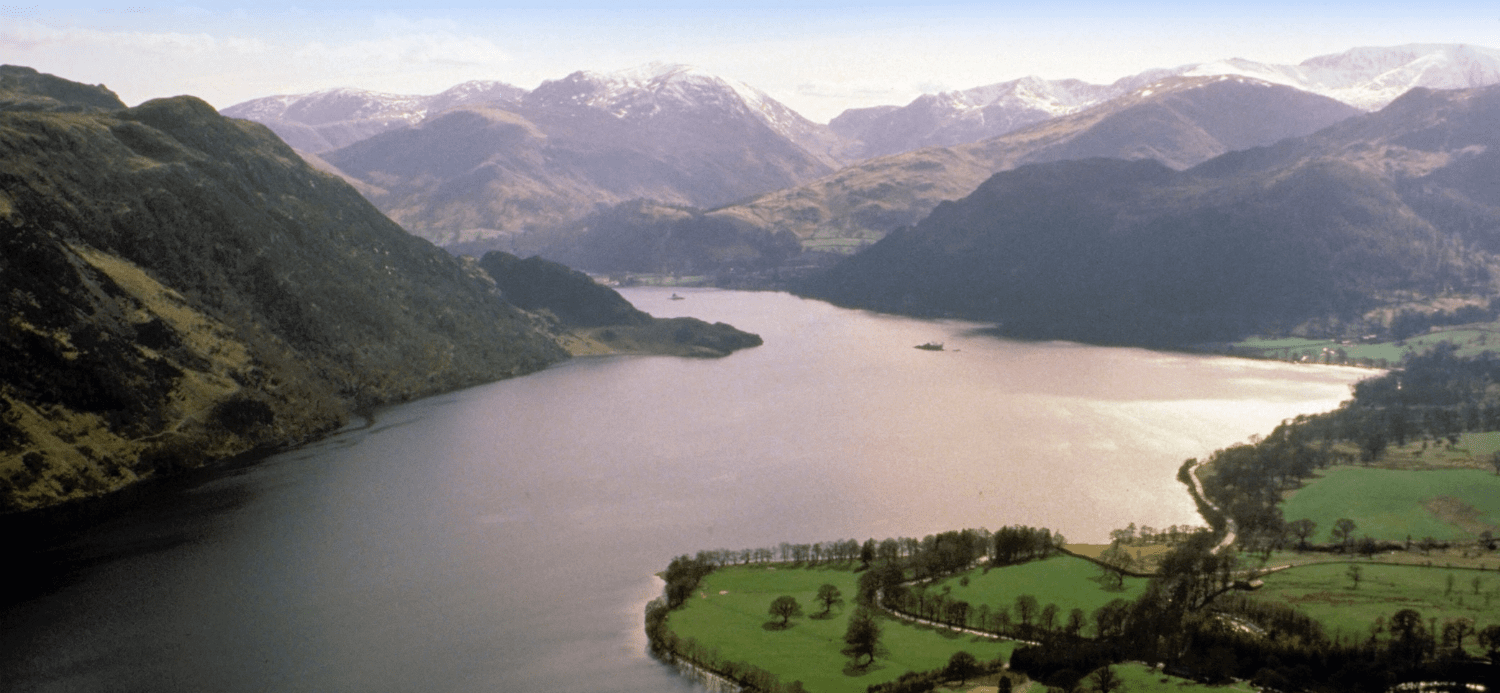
column 331, row 118
column 1371, row 77
column 658, row 89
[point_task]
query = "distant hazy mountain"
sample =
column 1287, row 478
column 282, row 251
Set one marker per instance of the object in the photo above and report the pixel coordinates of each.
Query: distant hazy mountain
column 665, row 91
column 1369, row 78
column 334, row 118
column 666, row 133
column 957, row 117
column 1403, row 202
column 1366, row 78
column 1179, row 121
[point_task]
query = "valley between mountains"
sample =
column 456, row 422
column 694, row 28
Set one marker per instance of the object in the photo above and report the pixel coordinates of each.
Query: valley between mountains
column 183, row 285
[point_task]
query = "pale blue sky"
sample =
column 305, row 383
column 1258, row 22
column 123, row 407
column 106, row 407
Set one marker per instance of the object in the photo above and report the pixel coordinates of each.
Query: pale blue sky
column 818, row 58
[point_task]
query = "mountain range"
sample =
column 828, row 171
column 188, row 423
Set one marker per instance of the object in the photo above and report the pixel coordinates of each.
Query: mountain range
column 535, row 171
column 1179, row 121
column 572, row 145
column 180, row 286
column 1365, row 78
column 1311, row 231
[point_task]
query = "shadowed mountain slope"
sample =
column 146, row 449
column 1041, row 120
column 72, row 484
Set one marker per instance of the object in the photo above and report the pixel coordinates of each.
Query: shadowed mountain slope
column 179, row 287
column 1179, row 121
column 1399, row 202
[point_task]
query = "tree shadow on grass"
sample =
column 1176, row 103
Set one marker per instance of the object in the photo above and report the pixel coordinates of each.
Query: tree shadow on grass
column 826, row 615
column 856, row 669
column 774, row 626
column 940, row 631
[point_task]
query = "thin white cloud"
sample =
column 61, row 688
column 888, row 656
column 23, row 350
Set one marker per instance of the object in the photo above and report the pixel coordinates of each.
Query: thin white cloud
column 227, row 69
column 409, row 51
column 817, row 62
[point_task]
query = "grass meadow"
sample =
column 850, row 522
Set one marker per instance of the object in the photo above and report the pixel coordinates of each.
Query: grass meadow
column 1067, row 581
column 1470, row 340
column 729, row 613
column 1140, row 678
column 1327, row 593
column 1472, row 451
column 1137, row 677
column 1394, row 504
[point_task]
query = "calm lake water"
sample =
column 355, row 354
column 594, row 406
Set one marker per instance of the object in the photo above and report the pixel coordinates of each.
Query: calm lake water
column 503, row 538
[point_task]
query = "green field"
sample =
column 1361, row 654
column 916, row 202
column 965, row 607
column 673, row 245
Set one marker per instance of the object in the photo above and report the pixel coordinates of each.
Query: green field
column 729, row 613
column 1470, row 339
column 1067, row 581
column 1326, row 593
column 1140, row 678
column 1472, row 451
column 1394, row 504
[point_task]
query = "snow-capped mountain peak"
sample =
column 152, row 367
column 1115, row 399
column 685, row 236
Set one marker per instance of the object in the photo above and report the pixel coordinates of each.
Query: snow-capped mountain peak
column 651, row 90
column 1371, row 77
column 331, row 118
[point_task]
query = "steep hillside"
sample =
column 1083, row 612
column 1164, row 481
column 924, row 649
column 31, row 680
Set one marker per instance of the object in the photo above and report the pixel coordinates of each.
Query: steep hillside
column 25, row 89
column 1320, row 228
column 179, row 287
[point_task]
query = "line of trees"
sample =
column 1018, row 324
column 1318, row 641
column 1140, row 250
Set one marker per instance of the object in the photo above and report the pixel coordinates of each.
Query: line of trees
column 1147, row 535
column 931, row 556
column 940, row 552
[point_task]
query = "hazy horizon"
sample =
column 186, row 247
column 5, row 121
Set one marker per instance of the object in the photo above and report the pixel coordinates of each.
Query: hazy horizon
column 818, row 59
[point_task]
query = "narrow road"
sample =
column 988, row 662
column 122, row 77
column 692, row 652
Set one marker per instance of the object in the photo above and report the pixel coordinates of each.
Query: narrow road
column 1229, row 528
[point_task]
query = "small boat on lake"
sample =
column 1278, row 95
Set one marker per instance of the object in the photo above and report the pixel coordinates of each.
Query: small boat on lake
column 675, row 297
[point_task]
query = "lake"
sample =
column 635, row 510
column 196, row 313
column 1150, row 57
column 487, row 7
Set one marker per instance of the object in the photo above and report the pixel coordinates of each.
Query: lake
column 503, row 538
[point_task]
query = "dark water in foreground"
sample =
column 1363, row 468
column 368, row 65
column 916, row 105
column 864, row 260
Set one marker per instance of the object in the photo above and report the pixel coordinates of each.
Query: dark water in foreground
column 503, row 538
